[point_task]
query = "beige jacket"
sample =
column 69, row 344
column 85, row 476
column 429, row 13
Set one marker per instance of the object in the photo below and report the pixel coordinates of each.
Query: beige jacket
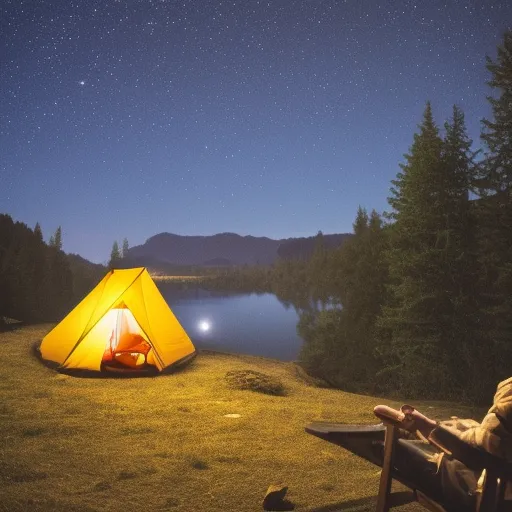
column 494, row 433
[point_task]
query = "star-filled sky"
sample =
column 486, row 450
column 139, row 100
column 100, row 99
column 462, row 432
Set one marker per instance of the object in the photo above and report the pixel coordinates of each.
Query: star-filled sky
column 126, row 118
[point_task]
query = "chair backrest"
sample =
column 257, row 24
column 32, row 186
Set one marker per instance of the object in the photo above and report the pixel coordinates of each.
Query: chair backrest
column 497, row 472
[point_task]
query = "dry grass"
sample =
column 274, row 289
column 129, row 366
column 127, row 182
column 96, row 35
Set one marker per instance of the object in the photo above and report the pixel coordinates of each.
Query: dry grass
column 165, row 443
column 255, row 381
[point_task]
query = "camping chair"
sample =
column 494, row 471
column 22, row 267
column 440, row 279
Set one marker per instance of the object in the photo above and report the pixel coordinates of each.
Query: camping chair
column 357, row 438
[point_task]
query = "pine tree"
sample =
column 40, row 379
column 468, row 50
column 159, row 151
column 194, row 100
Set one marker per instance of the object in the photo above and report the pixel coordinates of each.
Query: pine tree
column 431, row 333
column 460, row 261
column 115, row 256
column 495, row 211
column 38, row 232
column 361, row 223
column 124, row 251
column 414, row 321
column 56, row 239
column 497, row 132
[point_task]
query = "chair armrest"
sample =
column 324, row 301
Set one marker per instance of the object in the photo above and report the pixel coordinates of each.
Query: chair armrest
column 471, row 456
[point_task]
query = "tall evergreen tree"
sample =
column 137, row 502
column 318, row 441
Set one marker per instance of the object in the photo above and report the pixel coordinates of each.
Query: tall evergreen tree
column 361, row 223
column 431, row 327
column 497, row 132
column 414, row 322
column 496, row 210
column 460, row 260
column 38, row 232
column 56, row 239
column 125, row 248
column 115, row 256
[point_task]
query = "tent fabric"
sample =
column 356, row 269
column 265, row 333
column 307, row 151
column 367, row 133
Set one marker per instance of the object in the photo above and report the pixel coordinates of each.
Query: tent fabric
column 126, row 304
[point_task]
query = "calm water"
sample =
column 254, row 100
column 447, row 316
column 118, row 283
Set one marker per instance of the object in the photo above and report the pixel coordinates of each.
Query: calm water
column 245, row 324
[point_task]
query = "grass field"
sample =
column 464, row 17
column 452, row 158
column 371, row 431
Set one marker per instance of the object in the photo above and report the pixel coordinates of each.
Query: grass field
column 165, row 443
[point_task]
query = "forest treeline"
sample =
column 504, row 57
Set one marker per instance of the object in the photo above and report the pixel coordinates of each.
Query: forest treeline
column 38, row 281
column 422, row 294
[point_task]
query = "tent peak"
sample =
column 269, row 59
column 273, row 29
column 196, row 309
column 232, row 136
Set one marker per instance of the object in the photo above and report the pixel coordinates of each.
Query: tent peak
column 134, row 269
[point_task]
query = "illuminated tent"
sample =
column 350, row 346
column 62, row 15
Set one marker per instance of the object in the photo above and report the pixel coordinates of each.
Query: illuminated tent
column 124, row 324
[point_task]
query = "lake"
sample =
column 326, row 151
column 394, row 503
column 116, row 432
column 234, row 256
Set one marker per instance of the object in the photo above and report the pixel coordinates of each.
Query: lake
column 256, row 324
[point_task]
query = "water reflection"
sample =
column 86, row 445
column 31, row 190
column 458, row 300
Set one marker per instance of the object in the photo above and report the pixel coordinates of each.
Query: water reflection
column 241, row 323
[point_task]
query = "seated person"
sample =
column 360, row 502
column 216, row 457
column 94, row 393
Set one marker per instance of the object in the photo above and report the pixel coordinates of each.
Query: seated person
column 448, row 479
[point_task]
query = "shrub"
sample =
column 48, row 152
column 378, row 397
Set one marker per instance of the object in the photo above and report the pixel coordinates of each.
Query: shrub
column 255, row 381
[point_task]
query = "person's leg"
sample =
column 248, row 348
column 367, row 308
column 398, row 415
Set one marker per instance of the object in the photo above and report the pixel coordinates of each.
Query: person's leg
column 458, row 484
column 413, row 463
column 452, row 483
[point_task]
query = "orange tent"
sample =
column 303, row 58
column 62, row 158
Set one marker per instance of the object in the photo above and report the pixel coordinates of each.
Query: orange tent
column 123, row 323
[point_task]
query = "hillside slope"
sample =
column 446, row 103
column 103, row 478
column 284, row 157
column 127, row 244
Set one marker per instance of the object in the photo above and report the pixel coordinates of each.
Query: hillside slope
column 165, row 443
column 199, row 250
column 223, row 249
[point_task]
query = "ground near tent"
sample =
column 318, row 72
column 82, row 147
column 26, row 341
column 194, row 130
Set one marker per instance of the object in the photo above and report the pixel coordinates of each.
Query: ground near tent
column 174, row 442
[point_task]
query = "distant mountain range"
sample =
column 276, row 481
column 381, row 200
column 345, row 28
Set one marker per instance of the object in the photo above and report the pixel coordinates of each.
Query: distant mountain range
column 223, row 249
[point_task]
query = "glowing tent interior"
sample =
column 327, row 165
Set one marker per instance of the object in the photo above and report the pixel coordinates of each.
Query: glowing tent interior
column 123, row 324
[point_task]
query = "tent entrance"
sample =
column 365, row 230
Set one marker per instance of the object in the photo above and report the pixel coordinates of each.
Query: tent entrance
column 126, row 346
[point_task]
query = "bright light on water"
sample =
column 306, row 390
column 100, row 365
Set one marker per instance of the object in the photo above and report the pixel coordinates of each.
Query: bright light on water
column 204, row 325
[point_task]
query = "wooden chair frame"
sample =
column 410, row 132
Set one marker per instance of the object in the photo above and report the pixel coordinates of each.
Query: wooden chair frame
column 498, row 471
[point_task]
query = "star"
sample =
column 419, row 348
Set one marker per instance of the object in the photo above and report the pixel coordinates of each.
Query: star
column 255, row 98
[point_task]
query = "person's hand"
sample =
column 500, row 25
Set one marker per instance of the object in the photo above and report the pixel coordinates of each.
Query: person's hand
column 407, row 418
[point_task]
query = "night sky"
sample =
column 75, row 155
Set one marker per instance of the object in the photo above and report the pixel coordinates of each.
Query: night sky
column 125, row 118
